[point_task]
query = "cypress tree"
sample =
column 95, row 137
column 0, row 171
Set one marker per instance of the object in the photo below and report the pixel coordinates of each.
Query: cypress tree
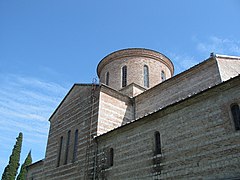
column 10, row 170
column 23, row 171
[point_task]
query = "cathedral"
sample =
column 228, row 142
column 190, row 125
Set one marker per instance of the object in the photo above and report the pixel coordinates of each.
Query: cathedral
column 141, row 122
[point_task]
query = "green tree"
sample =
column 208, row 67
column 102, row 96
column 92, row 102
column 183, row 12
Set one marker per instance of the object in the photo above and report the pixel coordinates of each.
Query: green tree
column 11, row 169
column 23, row 172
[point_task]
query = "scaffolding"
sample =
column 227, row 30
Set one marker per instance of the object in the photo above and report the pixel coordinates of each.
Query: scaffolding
column 89, row 156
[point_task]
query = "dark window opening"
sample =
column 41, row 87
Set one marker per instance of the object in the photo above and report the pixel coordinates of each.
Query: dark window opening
column 107, row 78
column 163, row 76
column 158, row 149
column 146, row 76
column 67, row 147
column 124, row 76
column 111, row 154
column 236, row 115
column 60, row 151
column 75, row 146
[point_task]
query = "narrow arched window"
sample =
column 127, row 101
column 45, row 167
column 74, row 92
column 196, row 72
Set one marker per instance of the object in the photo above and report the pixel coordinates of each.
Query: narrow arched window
column 60, row 151
column 163, row 76
column 107, row 78
column 146, row 76
column 75, row 146
column 236, row 116
column 67, row 147
column 158, row 149
column 111, row 154
column 124, row 76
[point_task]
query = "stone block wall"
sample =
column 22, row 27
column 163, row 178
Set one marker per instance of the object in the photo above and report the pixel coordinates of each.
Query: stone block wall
column 134, row 71
column 198, row 141
column 192, row 81
column 197, row 133
column 132, row 90
column 134, row 59
column 115, row 109
column 78, row 111
column 35, row 171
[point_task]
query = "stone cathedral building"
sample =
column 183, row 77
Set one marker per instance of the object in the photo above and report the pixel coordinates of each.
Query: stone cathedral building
column 141, row 122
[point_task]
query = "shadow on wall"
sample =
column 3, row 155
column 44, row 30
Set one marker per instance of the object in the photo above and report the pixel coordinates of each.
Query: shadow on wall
column 129, row 114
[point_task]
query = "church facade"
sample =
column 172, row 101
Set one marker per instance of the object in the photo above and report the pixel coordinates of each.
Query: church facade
column 141, row 122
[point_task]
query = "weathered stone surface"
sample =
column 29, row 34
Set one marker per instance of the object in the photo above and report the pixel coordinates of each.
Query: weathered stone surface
column 191, row 111
column 198, row 140
column 134, row 59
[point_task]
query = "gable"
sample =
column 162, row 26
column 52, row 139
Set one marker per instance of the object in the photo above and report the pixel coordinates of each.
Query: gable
column 77, row 91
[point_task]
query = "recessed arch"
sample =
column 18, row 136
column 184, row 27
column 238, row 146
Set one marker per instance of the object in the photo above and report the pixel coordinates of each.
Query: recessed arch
column 236, row 115
column 146, row 76
column 124, row 76
column 158, row 148
column 67, row 147
column 163, row 76
column 60, row 151
column 75, row 146
column 107, row 78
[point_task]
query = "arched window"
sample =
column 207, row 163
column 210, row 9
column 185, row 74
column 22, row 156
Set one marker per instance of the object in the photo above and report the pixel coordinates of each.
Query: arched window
column 146, row 76
column 236, row 115
column 67, row 147
column 124, row 76
column 158, row 149
column 111, row 154
column 75, row 146
column 60, row 151
column 107, row 78
column 163, row 76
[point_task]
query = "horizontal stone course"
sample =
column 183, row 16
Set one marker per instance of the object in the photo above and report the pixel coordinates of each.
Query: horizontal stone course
column 191, row 111
column 206, row 149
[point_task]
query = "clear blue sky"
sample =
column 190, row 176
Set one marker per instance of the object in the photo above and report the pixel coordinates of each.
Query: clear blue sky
column 47, row 45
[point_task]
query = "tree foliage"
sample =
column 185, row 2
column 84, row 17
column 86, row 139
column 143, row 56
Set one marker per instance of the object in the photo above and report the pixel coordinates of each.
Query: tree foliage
column 11, row 169
column 23, row 172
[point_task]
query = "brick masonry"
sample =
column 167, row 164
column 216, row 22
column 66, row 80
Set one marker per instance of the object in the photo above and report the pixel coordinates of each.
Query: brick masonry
column 134, row 59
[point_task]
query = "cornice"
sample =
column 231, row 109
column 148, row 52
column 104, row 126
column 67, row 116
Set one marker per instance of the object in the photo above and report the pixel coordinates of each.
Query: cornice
column 135, row 52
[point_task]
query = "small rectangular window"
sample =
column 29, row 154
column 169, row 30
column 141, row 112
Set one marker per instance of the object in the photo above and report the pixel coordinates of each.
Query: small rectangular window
column 163, row 76
column 60, row 151
column 146, row 76
column 124, row 76
column 107, row 78
column 236, row 116
column 158, row 149
column 67, row 147
column 111, row 155
column 75, row 146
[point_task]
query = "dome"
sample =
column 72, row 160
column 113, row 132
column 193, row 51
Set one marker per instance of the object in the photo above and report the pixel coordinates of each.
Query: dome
column 143, row 67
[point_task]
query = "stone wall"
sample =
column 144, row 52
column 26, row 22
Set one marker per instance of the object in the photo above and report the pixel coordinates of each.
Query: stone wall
column 134, row 59
column 35, row 171
column 132, row 90
column 79, row 110
column 198, row 141
column 179, row 87
column 115, row 109
column 197, row 133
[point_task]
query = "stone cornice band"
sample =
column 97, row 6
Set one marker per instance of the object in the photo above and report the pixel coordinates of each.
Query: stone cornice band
column 135, row 52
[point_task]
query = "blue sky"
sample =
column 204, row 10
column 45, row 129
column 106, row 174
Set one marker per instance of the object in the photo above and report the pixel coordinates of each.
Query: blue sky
column 46, row 46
